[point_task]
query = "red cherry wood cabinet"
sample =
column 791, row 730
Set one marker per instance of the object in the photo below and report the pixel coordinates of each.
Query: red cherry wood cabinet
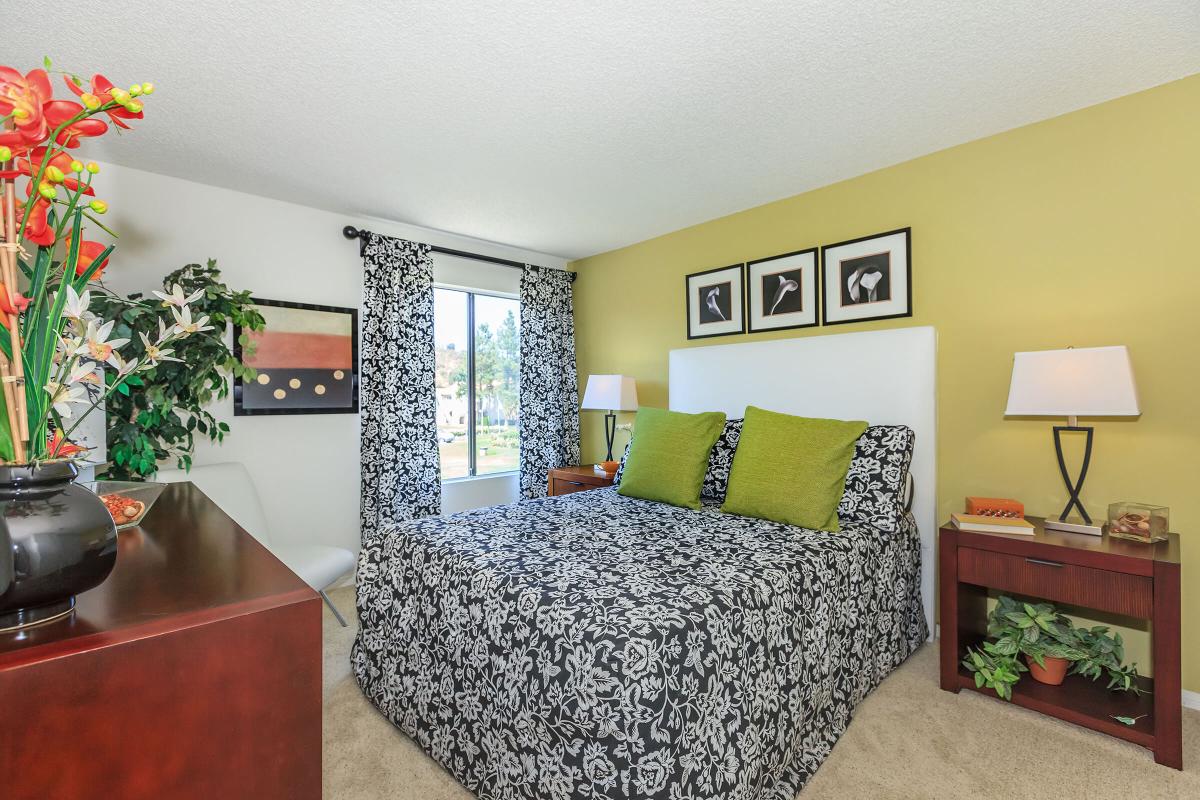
column 194, row 671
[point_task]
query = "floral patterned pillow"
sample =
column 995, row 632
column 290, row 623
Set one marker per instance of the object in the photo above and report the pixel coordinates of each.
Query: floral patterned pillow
column 621, row 468
column 720, row 459
column 875, row 484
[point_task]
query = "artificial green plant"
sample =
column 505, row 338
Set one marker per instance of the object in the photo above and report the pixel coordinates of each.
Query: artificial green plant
column 1039, row 631
column 170, row 406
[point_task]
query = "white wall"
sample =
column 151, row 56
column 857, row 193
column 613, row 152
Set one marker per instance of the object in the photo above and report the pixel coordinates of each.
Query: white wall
column 306, row 468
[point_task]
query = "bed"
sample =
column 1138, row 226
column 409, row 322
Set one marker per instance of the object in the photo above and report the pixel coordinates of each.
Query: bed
column 600, row 646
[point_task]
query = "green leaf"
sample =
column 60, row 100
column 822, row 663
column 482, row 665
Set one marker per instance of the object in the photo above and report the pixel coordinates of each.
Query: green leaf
column 47, row 63
column 1131, row 721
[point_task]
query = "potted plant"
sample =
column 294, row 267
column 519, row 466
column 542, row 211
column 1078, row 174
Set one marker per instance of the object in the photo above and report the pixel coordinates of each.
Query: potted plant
column 163, row 418
column 59, row 361
column 1037, row 639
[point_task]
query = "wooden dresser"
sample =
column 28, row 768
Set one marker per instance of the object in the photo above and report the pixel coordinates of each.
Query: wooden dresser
column 194, row 671
column 1097, row 572
column 565, row 480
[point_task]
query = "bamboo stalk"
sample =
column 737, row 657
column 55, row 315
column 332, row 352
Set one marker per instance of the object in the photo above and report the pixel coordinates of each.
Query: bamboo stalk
column 10, row 280
column 14, row 390
column 10, row 401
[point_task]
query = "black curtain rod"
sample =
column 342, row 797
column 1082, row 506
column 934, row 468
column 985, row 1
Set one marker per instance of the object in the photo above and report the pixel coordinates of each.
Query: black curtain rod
column 351, row 232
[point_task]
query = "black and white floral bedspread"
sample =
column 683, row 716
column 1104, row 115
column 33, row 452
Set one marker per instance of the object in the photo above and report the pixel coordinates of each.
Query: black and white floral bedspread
column 599, row 646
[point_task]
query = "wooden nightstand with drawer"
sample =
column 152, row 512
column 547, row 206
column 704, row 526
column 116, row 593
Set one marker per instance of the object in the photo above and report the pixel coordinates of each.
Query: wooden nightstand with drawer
column 1096, row 572
column 565, row 480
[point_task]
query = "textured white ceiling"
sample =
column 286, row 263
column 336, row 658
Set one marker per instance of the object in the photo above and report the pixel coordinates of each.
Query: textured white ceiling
column 572, row 128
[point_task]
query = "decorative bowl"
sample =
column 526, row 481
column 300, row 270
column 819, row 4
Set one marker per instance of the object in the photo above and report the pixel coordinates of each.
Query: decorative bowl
column 128, row 502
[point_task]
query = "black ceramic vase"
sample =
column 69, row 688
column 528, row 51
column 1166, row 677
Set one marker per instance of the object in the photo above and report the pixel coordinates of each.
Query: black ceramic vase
column 56, row 540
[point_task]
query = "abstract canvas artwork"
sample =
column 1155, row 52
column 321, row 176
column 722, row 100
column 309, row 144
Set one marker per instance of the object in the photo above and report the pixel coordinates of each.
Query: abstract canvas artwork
column 306, row 357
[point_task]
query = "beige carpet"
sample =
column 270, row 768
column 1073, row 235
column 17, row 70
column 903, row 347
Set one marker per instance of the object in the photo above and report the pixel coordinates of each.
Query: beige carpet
column 909, row 739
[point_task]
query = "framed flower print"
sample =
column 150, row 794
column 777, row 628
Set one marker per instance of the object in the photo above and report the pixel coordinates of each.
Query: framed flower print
column 715, row 304
column 782, row 291
column 868, row 278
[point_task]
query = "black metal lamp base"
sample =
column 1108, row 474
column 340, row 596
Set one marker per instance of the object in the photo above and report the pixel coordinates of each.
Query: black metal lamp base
column 610, row 433
column 1074, row 486
column 28, row 617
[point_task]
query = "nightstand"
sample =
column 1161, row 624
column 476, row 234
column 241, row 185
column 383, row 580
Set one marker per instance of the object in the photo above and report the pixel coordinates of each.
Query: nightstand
column 1096, row 572
column 565, row 480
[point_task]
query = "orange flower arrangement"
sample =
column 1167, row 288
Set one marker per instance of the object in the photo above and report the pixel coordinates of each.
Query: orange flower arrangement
column 51, row 344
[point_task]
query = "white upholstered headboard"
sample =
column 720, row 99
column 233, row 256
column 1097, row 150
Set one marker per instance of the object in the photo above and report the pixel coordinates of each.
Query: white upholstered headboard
column 883, row 377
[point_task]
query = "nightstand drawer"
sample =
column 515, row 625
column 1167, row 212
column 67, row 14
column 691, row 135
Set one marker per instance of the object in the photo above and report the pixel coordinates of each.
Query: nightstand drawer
column 560, row 486
column 1101, row 589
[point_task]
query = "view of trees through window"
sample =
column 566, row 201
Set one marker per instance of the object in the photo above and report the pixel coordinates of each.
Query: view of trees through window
column 476, row 333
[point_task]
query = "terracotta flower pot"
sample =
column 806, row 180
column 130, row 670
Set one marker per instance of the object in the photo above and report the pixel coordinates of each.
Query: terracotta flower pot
column 1054, row 672
column 610, row 467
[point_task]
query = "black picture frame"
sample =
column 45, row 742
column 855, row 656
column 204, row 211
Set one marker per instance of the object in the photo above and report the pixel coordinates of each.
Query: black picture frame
column 737, row 272
column 239, row 410
column 908, row 284
column 816, row 290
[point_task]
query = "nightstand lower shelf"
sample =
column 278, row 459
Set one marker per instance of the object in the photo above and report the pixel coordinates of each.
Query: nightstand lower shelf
column 1082, row 701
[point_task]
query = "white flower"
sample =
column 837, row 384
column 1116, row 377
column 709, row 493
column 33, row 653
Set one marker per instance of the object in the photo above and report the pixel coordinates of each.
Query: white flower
column 84, row 373
column 97, row 345
column 63, row 396
column 123, row 367
column 155, row 353
column 176, row 298
column 183, row 321
column 166, row 332
column 77, row 305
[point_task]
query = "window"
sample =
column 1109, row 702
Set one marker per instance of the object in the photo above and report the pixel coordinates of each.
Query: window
column 476, row 340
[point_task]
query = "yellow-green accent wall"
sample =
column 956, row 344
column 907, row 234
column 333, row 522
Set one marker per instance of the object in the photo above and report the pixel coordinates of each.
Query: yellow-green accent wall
column 1081, row 230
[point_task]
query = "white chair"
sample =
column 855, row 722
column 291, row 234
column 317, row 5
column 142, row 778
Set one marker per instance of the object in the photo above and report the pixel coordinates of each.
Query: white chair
column 230, row 487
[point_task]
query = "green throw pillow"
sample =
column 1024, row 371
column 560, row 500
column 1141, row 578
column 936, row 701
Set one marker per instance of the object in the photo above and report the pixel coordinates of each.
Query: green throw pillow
column 791, row 469
column 668, row 457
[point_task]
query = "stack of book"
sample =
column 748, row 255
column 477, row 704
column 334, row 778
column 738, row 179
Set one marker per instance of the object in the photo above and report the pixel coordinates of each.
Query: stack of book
column 978, row 523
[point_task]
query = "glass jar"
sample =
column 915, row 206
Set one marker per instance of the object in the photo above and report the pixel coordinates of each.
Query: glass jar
column 1139, row 522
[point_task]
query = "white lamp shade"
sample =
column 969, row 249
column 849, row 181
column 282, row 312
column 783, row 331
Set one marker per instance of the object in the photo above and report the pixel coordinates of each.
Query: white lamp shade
column 1079, row 382
column 610, row 393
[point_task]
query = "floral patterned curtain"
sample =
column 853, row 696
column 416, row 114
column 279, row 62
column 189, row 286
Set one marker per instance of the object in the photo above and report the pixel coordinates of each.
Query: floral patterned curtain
column 401, row 477
column 549, row 392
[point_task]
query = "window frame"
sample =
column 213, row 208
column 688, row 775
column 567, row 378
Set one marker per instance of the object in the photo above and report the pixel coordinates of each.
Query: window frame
column 472, row 465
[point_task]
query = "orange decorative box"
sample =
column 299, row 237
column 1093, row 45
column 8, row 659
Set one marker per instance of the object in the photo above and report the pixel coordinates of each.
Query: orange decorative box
column 995, row 507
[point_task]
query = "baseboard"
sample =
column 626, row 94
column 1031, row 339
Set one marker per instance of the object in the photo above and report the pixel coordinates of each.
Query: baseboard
column 1189, row 699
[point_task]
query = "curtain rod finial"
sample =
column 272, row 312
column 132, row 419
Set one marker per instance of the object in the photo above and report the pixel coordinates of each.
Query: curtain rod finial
column 350, row 232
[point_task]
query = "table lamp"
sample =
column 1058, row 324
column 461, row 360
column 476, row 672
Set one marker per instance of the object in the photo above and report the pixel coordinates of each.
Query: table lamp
column 1073, row 383
column 610, row 393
